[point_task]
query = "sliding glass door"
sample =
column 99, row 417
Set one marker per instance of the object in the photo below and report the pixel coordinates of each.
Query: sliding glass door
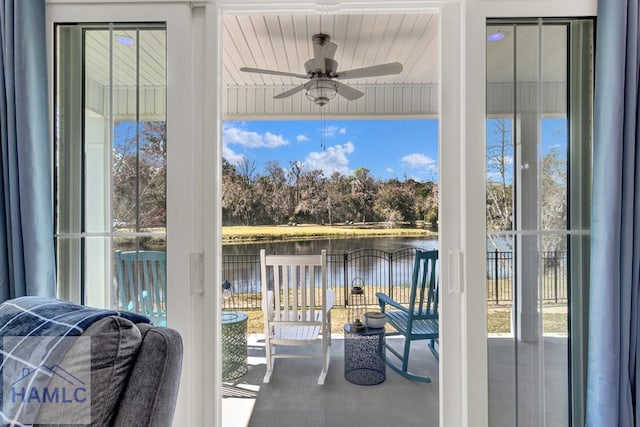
column 539, row 106
column 111, row 165
column 125, row 152
column 90, row 230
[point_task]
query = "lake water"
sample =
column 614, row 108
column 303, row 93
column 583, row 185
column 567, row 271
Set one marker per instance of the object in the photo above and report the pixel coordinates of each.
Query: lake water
column 378, row 262
column 333, row 246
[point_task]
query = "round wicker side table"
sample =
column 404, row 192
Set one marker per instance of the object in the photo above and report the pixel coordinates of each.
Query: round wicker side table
column 234, row 345
column 364, row 355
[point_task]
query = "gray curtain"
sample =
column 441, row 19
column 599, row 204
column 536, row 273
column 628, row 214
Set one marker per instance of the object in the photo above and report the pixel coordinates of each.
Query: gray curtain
column 27, row 265
column 612, row 381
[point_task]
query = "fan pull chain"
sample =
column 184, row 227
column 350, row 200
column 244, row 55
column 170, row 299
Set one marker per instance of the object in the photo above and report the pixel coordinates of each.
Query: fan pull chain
column 322, row 131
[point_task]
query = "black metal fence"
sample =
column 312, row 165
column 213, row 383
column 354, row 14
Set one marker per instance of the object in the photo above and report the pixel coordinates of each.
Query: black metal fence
column 390, row 272
column 500, row 277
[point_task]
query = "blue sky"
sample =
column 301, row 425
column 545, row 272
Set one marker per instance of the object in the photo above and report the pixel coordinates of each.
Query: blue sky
column 553, row 134
column 388, row 148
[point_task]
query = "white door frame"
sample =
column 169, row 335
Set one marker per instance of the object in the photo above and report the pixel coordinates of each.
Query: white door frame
column 455, row 408
column 194, row 28
column 184, row 211
column 474, row 186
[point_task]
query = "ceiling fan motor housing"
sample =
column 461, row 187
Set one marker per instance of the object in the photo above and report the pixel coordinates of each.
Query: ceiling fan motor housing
column 320, row 38
column 330, row 65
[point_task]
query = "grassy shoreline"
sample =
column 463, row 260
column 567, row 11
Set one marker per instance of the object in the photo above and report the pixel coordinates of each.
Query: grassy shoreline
column 498, row 321
column 240, row 234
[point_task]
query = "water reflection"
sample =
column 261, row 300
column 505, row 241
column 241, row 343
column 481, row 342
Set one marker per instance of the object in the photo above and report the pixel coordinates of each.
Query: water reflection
column 333, row 246
column 384, row 264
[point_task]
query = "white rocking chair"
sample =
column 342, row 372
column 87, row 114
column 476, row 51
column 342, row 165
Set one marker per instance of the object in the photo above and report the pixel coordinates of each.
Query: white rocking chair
column 297, row 307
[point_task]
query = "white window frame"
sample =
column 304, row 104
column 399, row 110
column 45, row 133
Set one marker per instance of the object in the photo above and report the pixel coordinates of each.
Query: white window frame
column 477, row 12
column 193, row 28
column 183, row 236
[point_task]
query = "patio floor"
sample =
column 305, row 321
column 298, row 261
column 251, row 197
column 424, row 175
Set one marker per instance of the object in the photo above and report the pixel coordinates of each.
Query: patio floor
column 294, row 399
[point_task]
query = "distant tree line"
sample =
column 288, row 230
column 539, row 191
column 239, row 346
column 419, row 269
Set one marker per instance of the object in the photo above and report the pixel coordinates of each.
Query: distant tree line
column 139, row 176
column 552, row 174
column 295, row 194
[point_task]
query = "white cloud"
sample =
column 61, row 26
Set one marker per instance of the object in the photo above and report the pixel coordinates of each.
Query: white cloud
column 333, row 159
column 232, row 134
column 418, row 161
column 302, row 138
column 274, row 140
column 332, row 131
column 390, row 170
column 493, row 177
column 422, row 167
column 230, row 155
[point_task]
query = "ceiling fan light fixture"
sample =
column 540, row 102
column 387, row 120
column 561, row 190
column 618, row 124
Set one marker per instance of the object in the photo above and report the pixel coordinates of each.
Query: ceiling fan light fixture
column 321, row 91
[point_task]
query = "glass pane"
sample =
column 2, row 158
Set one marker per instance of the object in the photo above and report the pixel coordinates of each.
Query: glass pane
column 126, row 130
column 111, row 164
column 69, row 160
column 152, row 168
column 97, row 143
column 140, row 271
column 97, row 261
column 529, row 259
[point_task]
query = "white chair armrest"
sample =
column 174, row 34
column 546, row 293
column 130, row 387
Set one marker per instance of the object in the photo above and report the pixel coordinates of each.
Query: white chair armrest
column 331, row 299
column 268, row 310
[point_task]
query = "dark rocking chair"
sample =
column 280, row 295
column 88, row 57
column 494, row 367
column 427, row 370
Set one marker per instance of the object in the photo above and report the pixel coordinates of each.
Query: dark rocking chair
column 418, row 320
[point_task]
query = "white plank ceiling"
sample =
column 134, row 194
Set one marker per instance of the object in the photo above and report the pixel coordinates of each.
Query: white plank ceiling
column 283, row 43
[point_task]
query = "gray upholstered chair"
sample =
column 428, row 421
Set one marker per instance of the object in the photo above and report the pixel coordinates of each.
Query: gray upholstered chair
column 135, row 373
column 149, row 397
column 132, row 367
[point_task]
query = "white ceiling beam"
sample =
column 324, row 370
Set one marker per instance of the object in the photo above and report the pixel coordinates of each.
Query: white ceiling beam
column 379, row 102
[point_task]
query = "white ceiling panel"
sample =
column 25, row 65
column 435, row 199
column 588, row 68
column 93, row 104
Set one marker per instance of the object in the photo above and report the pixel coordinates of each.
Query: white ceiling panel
column 284, row 43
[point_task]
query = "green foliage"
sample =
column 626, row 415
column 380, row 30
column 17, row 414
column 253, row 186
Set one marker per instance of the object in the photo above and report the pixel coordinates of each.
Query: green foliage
column 551, row 173
column 295, row 194
column 139, row 176
column 554, row 199
column 432, row 218
column 395, row 202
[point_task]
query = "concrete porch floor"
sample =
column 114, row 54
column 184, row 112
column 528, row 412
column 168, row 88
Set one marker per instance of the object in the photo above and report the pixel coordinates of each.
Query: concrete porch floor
column 294, row 399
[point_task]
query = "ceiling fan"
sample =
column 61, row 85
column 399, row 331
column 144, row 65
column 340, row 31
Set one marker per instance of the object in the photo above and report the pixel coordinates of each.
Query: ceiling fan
column 322, row 72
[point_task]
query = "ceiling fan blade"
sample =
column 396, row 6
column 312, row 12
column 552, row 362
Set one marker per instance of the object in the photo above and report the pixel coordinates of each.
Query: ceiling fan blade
column 289, row 92
column 372, row 71
column 348, row 92
column 272, row 72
